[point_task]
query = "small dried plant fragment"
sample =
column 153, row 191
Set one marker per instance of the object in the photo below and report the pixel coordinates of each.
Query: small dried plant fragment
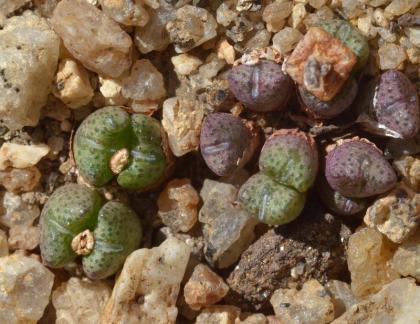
column 320, row 63
column 93, row 38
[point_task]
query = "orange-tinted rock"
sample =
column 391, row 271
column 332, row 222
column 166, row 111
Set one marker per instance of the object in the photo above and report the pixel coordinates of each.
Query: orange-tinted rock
column 320, row 63
column 204, row 288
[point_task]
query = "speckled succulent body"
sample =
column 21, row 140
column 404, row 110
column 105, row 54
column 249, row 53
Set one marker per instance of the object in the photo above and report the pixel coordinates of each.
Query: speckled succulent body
column 356, row 168
column 270, row 201
column 110, row 129
column 351, row 37
column 396, row 104
column 226, row 142
column 319, row 109
column 261, row 87
column 288, row 167
column 73, row 209
column 290, row 158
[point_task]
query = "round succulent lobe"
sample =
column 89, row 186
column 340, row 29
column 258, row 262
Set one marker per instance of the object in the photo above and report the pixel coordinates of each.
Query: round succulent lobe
column 291, row 158
column 319, row 109
column 269, row 201
column 226, row 142
column 261, row 87
column 357, row 168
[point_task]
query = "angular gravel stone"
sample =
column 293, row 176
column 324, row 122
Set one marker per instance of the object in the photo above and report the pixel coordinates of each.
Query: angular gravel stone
column 93, row 38
column 25, row 288
column 28, row 59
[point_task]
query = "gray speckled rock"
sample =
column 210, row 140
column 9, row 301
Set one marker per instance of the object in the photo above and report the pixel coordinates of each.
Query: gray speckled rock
column 28, row 59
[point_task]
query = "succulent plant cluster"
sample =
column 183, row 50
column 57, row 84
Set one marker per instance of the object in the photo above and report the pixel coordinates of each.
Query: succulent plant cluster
column 112, row 143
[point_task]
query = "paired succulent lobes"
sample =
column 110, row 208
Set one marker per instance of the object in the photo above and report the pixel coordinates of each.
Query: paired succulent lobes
column 261, row 87
column 76, row 222
column 288, row 167
column 110, row 143
column 226, row 142
column 356, row 168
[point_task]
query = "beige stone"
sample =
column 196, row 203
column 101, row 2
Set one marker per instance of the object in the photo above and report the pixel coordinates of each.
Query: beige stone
column 286, row 39
column 72, row 85
column 369, row 253
column 4, row 247
column 20, row 180
column 191, row 27
column 185, row 64
column 226, row 51
column 177, row 205
column 310, row 305
column 28, row 59
column 406, row 260
column 80, row 301
column 391, row 56
column 145, row 82
column 182, row 120
column 397, row 215
column 397, row 303
column 223, row 314
column 25, row 289
column 20, row 155
column 93, row 38
column 155, row 275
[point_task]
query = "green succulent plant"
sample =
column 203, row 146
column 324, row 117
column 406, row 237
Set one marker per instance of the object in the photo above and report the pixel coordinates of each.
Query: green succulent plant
column 75, row 221
column 112, row 143
column 288, row 167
